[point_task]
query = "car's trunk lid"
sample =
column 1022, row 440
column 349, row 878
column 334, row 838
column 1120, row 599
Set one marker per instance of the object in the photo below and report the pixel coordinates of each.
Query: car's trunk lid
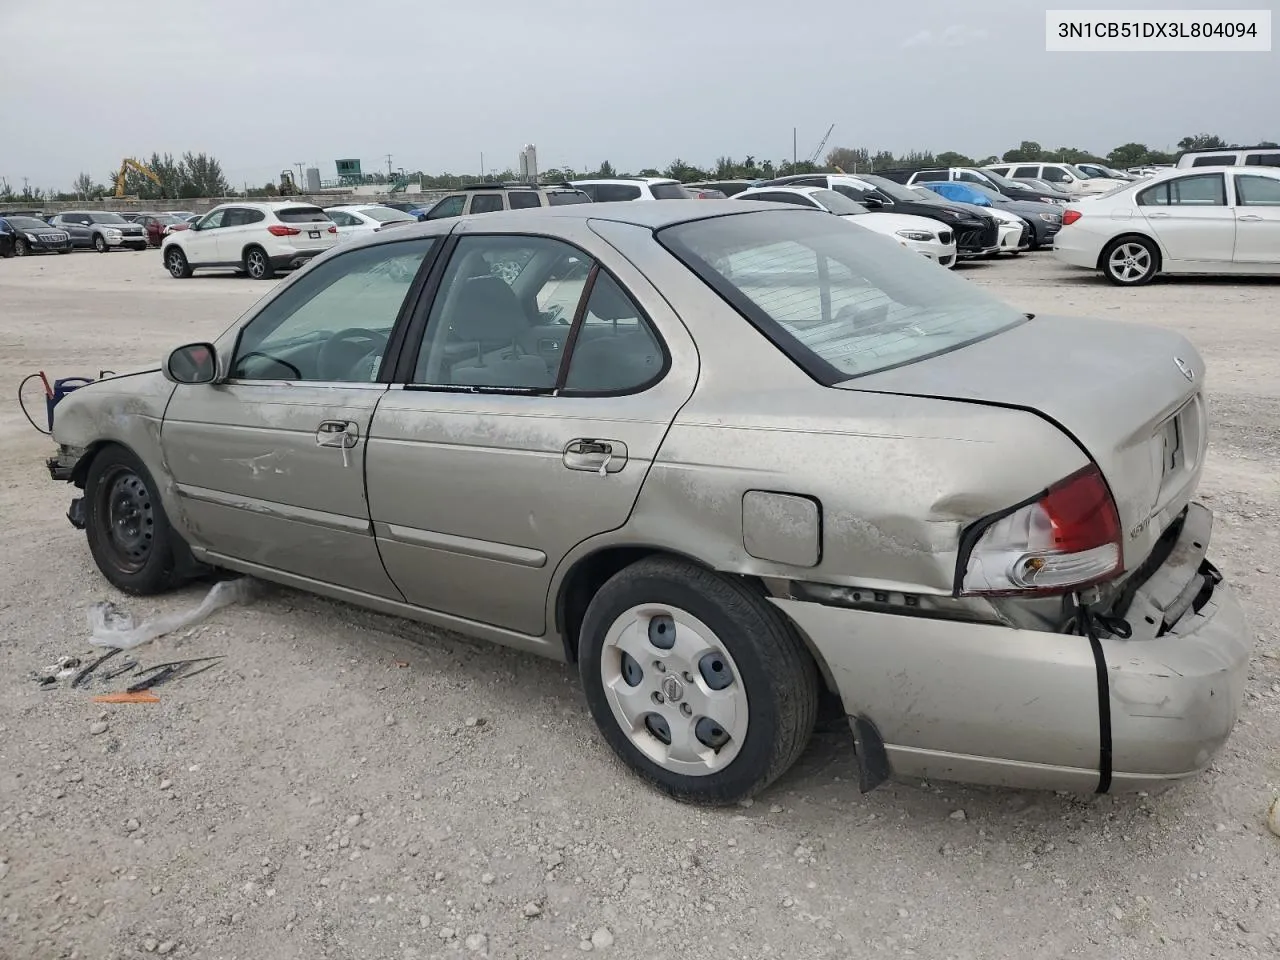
column 1131, row 396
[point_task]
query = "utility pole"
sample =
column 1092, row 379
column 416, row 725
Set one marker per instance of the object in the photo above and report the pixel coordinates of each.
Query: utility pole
column 388, row 168
column 482, row 173
column 299, row 165
column 795, row 154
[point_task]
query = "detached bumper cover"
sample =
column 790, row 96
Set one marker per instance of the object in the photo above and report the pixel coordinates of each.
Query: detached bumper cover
column 991, row 704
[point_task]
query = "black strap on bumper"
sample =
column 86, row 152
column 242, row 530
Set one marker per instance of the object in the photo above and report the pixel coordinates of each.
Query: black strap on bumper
column 1089, row 623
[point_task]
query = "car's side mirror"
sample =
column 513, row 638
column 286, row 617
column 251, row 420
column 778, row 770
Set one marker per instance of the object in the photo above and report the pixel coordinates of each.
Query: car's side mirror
column 192, row 363
column 872, row 202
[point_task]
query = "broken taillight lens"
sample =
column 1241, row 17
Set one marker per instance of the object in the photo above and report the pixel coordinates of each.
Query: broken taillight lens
column 1071, row 216
column 1067, row 540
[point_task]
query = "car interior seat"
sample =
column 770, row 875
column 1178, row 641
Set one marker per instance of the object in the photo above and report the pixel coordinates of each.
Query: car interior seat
column 487, row 314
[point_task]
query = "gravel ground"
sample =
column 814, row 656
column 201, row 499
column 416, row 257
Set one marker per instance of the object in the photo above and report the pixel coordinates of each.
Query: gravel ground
column 348, row 785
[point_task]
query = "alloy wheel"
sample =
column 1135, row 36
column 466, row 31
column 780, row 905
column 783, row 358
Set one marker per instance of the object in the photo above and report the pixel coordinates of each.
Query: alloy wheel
column 1129, row 262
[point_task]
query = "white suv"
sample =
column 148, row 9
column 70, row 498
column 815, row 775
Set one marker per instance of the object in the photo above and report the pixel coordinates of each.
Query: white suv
column 1063, row 176
column 633, row 188
column 257, row 238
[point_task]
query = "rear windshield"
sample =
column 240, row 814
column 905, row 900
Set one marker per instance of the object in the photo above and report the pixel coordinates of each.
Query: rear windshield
column 384, row 214
column 670, row 191
column 27, row 223
column 558, row 198
column 841, row 303
column 302, row 215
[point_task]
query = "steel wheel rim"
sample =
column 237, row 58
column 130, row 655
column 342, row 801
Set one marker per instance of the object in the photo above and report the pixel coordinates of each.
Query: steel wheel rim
column 257, row 264
column 693, row 688
column 126, row 518
column 1129, row 262
column 175, row 262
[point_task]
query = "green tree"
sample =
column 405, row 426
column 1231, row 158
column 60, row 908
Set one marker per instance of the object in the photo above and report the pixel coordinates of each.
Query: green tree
column 849, row 159
column 949, row 158
column 1129, row 155
column 606, row 171
column 1201, row 141
column 1026, row 151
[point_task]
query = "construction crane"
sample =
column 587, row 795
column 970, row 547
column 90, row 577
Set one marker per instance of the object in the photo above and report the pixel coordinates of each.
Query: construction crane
column 288, row 187
column 127, row 164
column 821, row 143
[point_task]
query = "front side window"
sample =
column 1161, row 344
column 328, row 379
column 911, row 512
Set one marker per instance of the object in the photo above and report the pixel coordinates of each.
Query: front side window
column 1055, row 175
column 497, row 326
column 448, row 207
column 341, row 218
column 1027, row 173
column 212, row 220
column 1202, row 190
column 841, row 303
column 1257, row 191
column 334, row 322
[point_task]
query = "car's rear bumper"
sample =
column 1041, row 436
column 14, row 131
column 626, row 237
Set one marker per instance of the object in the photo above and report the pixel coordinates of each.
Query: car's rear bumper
column 985, row 703
column 291, row 259
column 1077, row 247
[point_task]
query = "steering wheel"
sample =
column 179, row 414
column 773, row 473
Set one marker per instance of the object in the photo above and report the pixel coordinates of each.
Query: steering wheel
column 342, row 351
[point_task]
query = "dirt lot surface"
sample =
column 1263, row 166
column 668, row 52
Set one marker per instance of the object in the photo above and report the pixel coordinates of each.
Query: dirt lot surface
column 347, row 785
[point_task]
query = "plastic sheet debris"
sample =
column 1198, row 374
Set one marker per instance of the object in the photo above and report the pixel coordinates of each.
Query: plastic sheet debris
column 112, row 627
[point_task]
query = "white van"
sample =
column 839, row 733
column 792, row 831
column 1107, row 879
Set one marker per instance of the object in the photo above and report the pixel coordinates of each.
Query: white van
column 1231, row 157
column 1062, row 176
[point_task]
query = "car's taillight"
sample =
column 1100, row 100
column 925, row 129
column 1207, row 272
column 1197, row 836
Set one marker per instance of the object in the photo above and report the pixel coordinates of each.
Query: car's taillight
column 333, row 229
column 280, row 230
column 1071, row 216
column 1067, row 540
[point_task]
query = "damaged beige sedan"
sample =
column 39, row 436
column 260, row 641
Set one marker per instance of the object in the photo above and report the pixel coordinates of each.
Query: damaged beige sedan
column 724, row 460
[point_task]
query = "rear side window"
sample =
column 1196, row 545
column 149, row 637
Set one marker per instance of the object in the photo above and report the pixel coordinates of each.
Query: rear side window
column 1030, row 173
column 1216, row 160
column 930, row 176
column 613, row 192
column 1258, row 192
column 486, row 203
column 523, row 199
column 1204, row 190
column 1262, row 160
column 558, row 198
column 669, row 191
column 302, row 215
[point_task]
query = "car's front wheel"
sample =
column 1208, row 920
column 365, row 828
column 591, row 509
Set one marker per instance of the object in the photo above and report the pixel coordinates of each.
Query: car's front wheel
column 20, row 248
column 129, row 533
column 175, row 261
column 1131, row 261
column 100, row 243
column 696, row 681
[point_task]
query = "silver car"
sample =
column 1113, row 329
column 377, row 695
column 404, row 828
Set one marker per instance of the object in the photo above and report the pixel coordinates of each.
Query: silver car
column 722, row 456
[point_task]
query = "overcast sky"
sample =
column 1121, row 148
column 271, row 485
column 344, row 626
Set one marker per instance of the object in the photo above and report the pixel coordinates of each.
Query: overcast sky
column 262, row 85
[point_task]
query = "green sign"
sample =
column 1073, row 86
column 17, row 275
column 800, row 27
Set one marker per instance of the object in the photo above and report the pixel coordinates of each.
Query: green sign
column 349, row 168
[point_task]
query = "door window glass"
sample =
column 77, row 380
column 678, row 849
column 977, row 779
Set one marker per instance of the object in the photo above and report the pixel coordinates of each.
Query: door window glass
column 486, row 203
column 615, row 350
column 928, row 176
column 235, row 217
column 1055, row 175
column 334, row 322
column 523, row 199
column 448, row 207
column 1026, row 173
column 1258, row 191
column 1262, row 159
column 503, row 313
column 613, row 192
column 342, row 219
column 212, row 220
column 1217, row 160
column 1202, row 190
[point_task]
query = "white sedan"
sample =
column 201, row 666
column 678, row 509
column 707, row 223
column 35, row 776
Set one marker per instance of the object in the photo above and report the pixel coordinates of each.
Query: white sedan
column 930, row 238
column 1223, row 220
column 357, row 220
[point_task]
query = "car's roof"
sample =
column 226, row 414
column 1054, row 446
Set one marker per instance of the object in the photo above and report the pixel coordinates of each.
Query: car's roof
column 267, row 204
column 785, row 188
column 626, row 180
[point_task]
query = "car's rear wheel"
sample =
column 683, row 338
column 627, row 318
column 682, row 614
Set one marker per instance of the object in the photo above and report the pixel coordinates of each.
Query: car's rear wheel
column 1131, row 261
column 129, row 533
column 175, row 261
column 20, row 248
column 100, row 243
column 257, row 264
column 697, row 683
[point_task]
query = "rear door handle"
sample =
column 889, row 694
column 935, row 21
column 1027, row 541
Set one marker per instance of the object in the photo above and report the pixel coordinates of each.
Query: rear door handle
column 1154, row 216
column 598, row 456
column 1248, row 218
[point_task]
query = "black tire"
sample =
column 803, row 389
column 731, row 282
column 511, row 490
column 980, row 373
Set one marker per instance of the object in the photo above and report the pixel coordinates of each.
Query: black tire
column 778, row 675
column 258, row 265
column 129, row 534
column 175, row 261
column 100, row 243
column 68, row 250
column 1139, row 254
column 20, row 247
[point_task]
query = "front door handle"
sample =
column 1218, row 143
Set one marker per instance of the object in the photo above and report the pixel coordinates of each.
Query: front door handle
column 1157, row 215
column 338, row 433
column 598, row 456
column 1248, row 218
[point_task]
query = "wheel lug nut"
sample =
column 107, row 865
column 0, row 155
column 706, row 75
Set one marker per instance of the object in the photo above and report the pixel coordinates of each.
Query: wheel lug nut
column 688, row 677
column 659, row 698
column 659, row 666
column 686, row 710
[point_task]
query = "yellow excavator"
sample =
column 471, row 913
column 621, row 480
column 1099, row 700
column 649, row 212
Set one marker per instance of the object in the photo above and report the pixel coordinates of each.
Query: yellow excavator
column 127, row 164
